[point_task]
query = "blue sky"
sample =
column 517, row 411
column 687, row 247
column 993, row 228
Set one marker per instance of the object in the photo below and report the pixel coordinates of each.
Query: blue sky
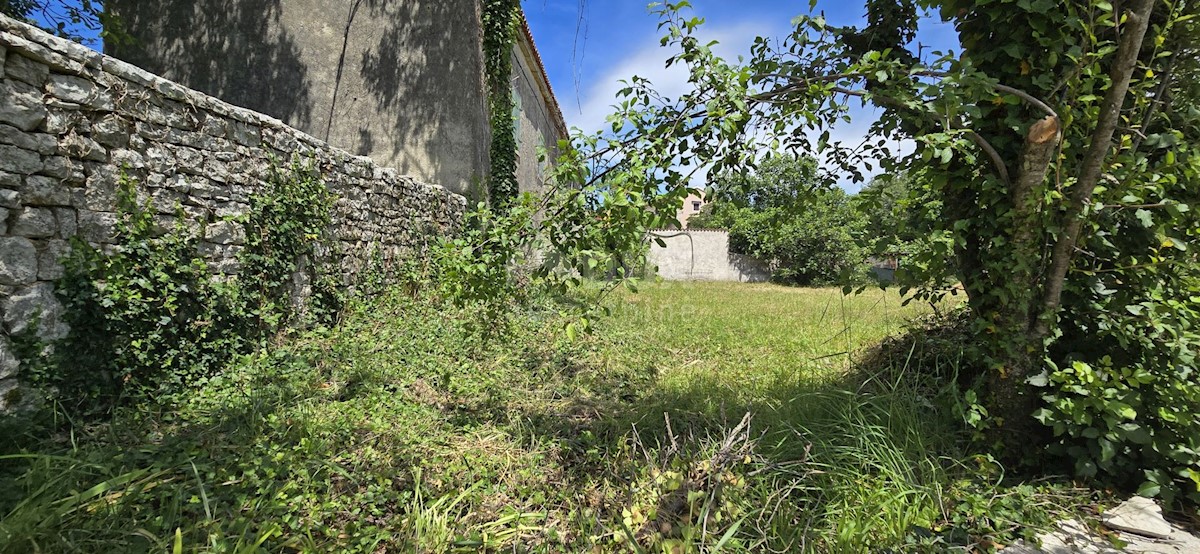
column 588, row 46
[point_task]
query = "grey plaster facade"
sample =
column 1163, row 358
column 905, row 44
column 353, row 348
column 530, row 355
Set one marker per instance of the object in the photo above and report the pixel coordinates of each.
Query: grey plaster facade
column 401, row 82
column 74, row 122
column 538, row 121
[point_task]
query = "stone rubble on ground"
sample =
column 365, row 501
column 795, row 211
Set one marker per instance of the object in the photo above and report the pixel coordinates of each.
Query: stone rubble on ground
column 1137, row 522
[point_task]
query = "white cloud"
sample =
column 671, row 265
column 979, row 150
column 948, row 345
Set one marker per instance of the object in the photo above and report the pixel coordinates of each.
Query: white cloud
column 649, row 61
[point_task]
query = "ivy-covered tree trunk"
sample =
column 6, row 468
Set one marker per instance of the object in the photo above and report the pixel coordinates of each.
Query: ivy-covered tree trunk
column 1027, row 315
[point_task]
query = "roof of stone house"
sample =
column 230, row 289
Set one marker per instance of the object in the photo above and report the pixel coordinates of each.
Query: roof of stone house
column 543, row 80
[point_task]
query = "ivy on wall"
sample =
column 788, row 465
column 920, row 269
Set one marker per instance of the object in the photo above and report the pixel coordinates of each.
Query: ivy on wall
column 500, row 19
column 147, row 319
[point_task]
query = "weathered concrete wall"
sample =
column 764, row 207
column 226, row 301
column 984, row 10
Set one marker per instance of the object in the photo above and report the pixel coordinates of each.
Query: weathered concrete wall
column 701, row 255
column 538, row 123
column 72, row 121
column 401, row 82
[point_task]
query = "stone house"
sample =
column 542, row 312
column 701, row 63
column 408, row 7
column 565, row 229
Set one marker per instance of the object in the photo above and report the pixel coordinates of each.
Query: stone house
column 690, row 207
column 401, row 82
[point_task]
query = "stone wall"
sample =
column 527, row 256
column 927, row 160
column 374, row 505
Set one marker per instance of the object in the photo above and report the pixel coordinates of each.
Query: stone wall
column 73, row 121
column 701, row 255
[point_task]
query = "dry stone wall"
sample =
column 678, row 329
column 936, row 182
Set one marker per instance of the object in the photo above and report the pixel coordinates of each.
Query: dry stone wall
column 73, row 122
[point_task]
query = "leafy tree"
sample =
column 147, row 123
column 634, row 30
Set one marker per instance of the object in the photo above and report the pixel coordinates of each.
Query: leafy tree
column 895, row 220
column 77, row 20
column 1061, row 149
column 783, row 182
column 782, row 215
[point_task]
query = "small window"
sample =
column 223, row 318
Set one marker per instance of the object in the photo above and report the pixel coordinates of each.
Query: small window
column 695, row 206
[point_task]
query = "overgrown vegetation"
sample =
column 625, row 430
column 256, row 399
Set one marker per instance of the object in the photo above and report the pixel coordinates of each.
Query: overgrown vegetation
column 409, row 428
column 147, row 317
column 781, row 215
column 1059, row 146
column 471, row 409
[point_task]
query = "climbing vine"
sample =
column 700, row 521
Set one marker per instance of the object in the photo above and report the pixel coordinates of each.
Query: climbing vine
column 287, row 249
column 147, row 317
column 500, row 19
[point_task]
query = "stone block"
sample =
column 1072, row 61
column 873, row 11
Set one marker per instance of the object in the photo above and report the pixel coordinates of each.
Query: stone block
column 61, row 122
column 245, row 134
column 50, row 258
column 38, row 142
column 22, row 106
column 10, row 180
column 26, row 70
column 67, row 222
column 167, row 201
column 1139, row 515
column 34, row 222
column 225, row 232
column 3, row 221
column 8, row 361
column 101, row 191
column 98, row 227
column 217, row 171
column 10, row 198
column 189, row 159
column 179, row 183
column 230, row 209
column 111, row 131
column 79, row 91
column 19, row 160
column 18, row 261
column 77, row 146
column 213, row 126
column 127, row 159
column 40, row 53
column 170, row 114
column 150, row 131
column 35, row 305
column 160, row 159
column 61, row 167
column 40, row 190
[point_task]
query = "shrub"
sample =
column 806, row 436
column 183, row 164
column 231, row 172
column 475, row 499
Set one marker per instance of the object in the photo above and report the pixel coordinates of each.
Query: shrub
column 147, row 316
column 811, row 245
column 144, row 315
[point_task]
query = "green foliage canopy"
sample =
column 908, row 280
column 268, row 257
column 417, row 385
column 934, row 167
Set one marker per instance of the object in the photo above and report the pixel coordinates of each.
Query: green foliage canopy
column 780, row 214
column 1060, row 146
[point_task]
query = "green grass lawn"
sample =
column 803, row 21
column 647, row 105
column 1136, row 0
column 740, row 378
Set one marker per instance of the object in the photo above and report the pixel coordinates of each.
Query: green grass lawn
column 725, row 417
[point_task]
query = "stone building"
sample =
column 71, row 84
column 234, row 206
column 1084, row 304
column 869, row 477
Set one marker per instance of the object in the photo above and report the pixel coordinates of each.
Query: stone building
column 401, row 82
column 690, row 207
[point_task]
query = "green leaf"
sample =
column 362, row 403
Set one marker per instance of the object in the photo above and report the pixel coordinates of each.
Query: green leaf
column 1145, row 218
column 1149, row 489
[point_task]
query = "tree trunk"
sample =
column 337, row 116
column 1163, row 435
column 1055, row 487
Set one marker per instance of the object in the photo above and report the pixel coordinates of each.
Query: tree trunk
column 1032, row 318
column 1009, row 401
column 1138, row 19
